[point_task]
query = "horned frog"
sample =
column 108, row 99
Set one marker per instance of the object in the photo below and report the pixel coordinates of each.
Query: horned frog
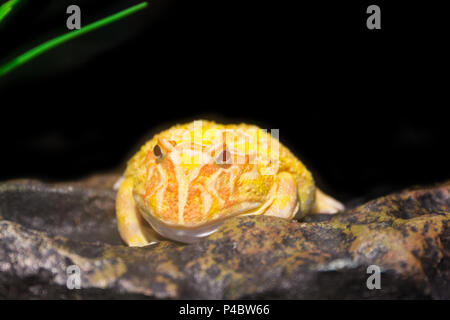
column 187, row 180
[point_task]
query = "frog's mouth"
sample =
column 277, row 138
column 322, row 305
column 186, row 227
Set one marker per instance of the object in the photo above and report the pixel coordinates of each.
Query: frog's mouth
column 190, row 234
column 178, row 233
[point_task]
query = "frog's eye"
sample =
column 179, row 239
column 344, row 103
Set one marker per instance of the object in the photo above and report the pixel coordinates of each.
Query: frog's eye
column 223, row 158
column 158, row 152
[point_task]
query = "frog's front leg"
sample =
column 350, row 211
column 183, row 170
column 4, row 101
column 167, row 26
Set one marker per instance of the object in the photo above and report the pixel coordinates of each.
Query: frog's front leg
column 132, row 227
column 286, row 202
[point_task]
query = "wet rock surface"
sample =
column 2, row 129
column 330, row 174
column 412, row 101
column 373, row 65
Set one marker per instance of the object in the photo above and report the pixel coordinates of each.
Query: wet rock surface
column 46, row 228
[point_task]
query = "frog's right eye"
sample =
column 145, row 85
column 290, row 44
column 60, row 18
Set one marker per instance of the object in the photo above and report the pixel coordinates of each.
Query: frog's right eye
column 223, row 158
column 158, row 152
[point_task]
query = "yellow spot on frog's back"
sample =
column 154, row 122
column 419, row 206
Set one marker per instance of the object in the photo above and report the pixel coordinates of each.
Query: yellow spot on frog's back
column 209, row 135
column 189, row 161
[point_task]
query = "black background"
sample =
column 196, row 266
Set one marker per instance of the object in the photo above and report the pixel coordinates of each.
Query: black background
column 171, row 308
column 364, row 109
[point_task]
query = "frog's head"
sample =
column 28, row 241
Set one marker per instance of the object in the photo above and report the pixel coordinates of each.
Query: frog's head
column 190, row 178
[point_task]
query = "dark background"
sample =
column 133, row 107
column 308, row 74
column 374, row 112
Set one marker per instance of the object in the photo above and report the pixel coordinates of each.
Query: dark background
column 365, row 110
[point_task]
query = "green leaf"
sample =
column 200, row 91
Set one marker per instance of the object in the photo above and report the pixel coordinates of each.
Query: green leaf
column 6, row 8
column 42, row 48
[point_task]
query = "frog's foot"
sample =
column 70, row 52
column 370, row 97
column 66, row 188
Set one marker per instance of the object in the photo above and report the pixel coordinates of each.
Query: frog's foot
column 326, row 204
column 132, row 227
column 286, row 203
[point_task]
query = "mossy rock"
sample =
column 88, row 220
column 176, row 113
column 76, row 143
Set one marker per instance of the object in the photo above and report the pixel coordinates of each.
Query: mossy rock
column 45, row 228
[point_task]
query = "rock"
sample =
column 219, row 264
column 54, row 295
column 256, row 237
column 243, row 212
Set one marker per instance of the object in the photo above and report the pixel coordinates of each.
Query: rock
column 46, row 228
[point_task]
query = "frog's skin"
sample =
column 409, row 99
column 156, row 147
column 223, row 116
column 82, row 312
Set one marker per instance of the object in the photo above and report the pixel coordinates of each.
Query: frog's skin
column 179, row 185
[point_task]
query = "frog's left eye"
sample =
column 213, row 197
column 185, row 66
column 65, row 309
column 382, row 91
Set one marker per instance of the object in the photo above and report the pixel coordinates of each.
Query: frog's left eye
column 158, row 152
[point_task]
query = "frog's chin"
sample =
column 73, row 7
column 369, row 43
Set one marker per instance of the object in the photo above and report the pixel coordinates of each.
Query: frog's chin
column 177, row 233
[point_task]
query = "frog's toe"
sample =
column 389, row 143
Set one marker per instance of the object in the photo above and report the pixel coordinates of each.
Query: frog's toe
column 286, row 202
column 131, row 225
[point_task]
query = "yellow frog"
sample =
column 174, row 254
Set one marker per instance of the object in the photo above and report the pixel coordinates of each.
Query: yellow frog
column 187, row 180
